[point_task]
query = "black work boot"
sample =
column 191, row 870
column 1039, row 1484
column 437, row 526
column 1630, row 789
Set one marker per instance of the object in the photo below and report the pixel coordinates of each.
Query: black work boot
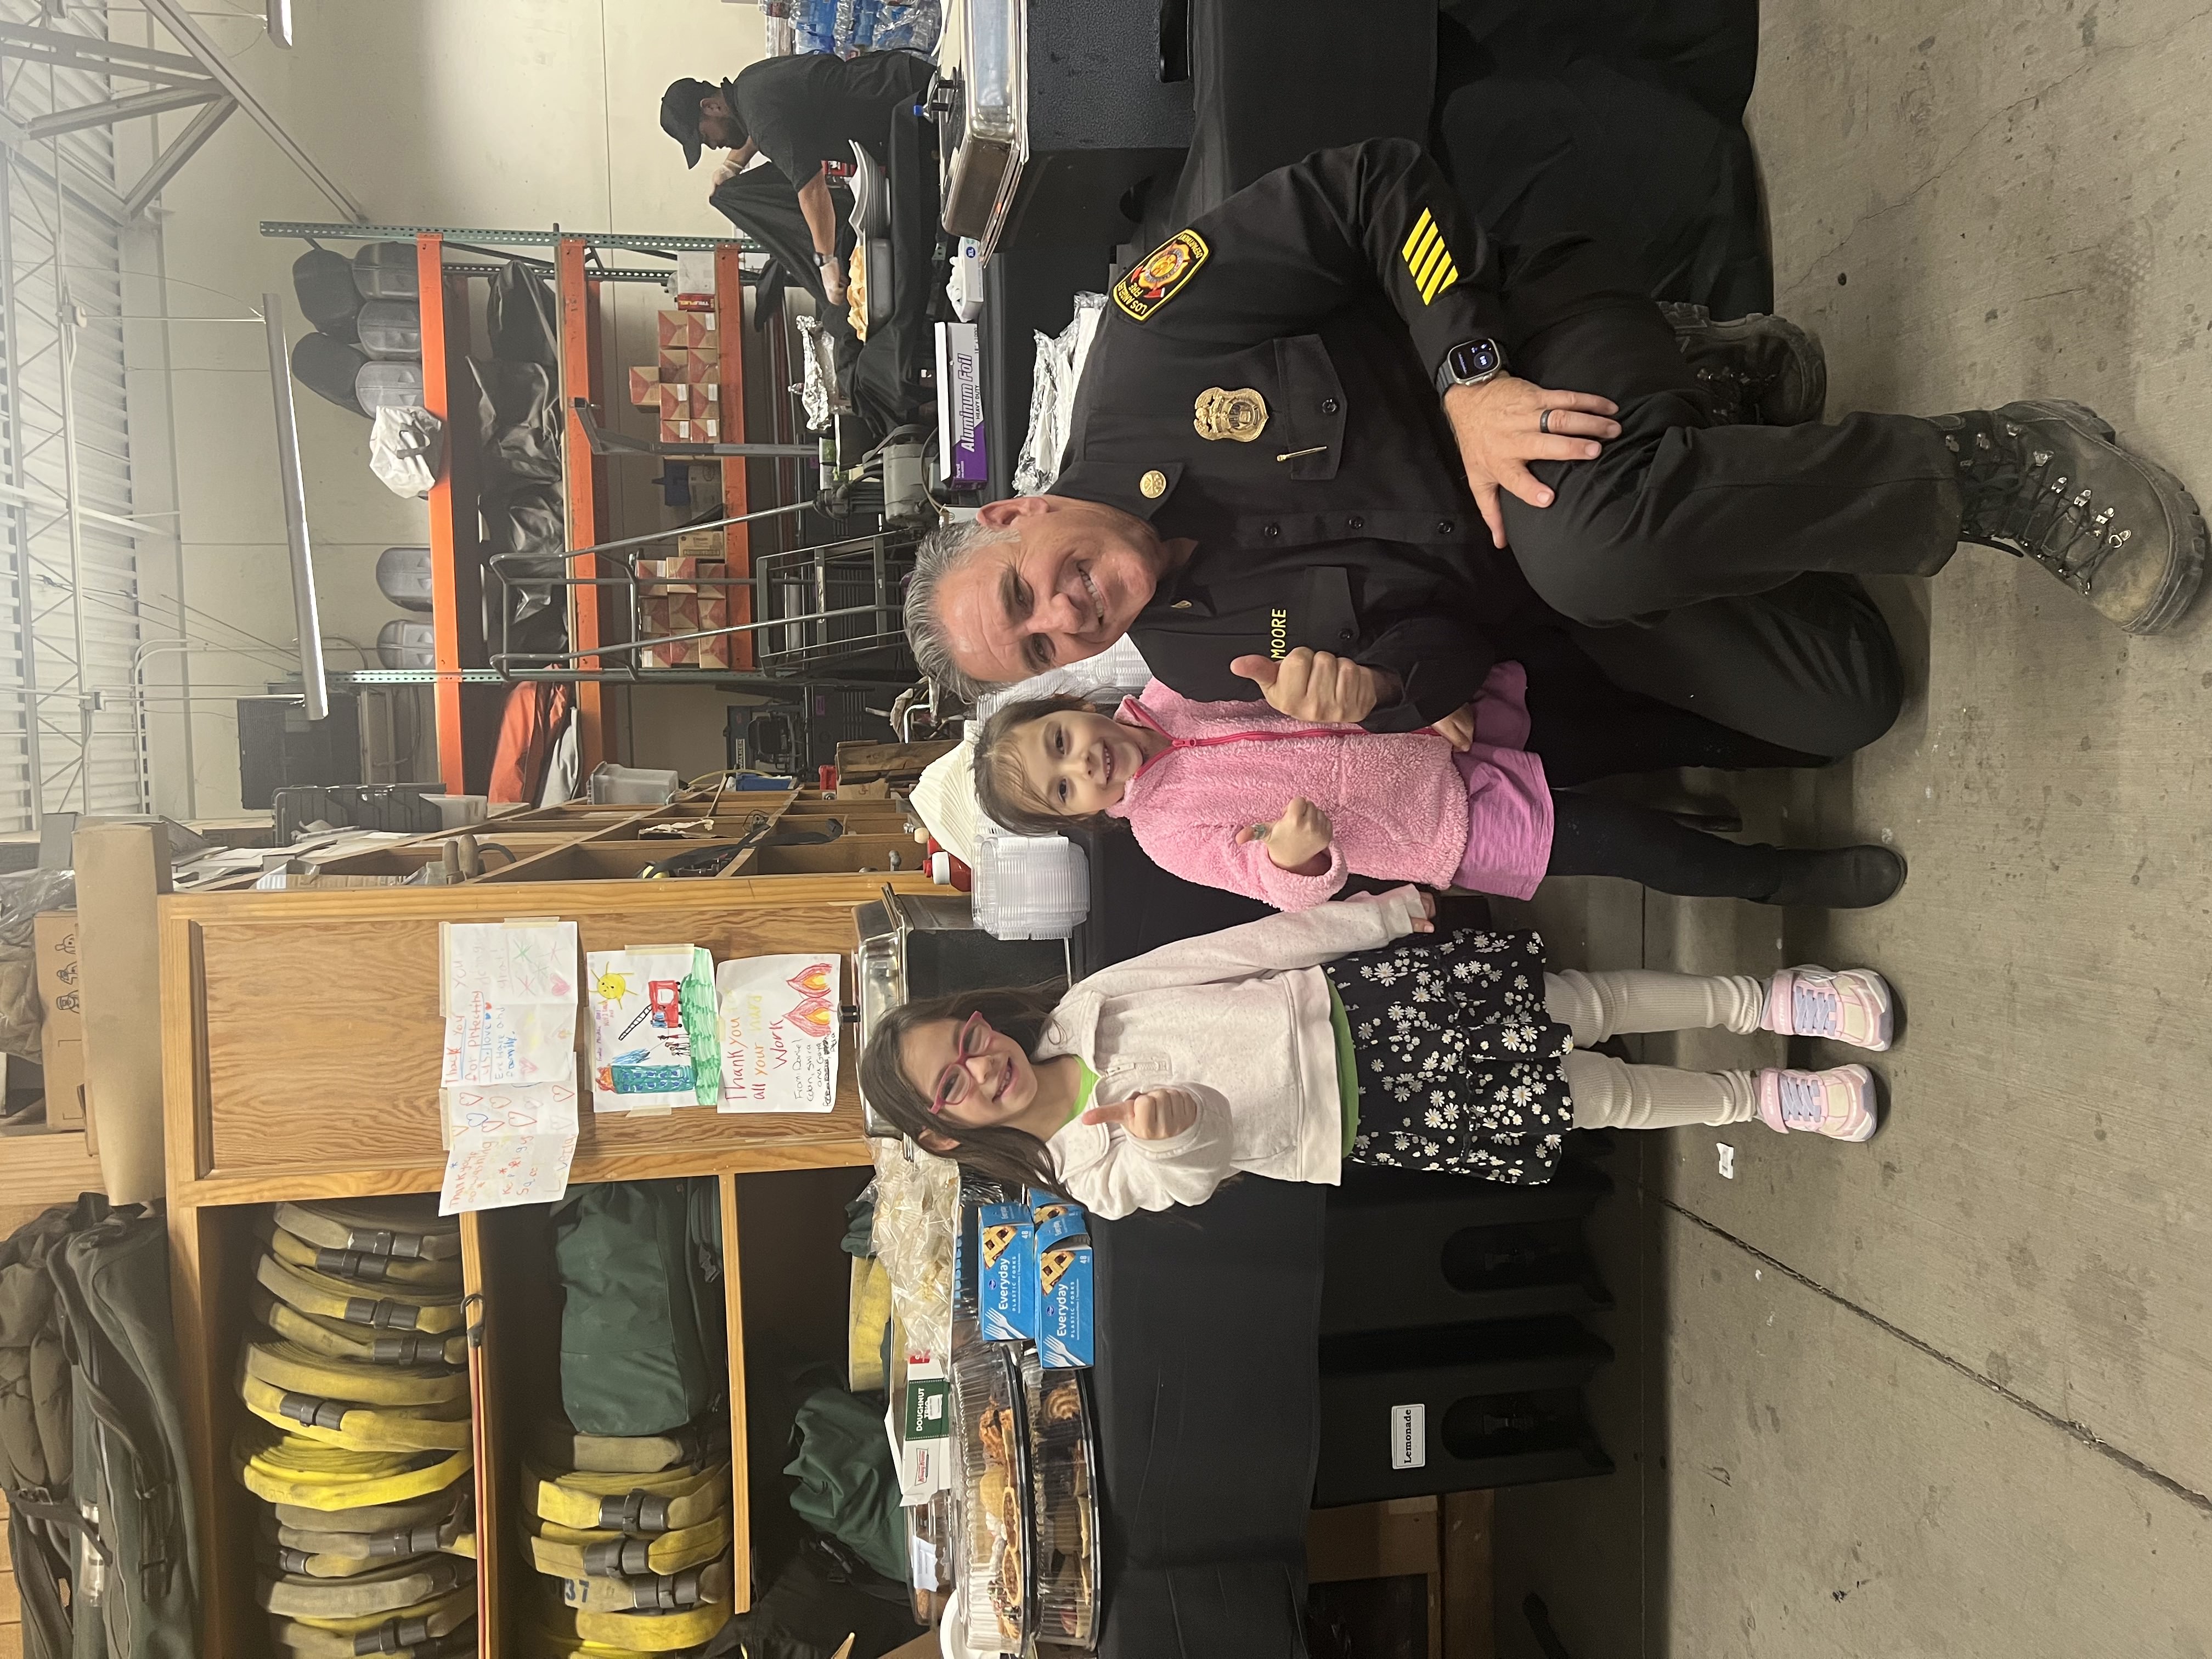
column 1838, row 878
column 2043, row 479
column 1761, row 370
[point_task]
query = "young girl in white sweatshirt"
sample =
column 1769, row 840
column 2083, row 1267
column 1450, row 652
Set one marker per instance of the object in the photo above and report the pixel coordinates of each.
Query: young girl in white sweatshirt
column 1288, row 1045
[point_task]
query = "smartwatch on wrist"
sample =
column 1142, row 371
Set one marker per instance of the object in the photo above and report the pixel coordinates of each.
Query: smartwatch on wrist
column 1470, row 362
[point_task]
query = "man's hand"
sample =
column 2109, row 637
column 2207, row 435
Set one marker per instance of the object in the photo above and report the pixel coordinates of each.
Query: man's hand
column 1316, row 686
column 1298, row 838
column 1458, row 728
column 1155, row 1114
column 833, row 281
column 1498, row 426
column 732, row 163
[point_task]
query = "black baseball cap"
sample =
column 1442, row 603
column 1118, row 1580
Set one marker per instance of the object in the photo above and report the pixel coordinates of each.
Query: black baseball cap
column 679, row 114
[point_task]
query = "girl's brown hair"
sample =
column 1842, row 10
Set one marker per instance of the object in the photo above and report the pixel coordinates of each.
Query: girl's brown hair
column 1003, row 791
column 1000, row 1153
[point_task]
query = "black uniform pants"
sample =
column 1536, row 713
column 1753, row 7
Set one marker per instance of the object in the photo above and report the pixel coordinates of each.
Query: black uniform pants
column 1683, row 550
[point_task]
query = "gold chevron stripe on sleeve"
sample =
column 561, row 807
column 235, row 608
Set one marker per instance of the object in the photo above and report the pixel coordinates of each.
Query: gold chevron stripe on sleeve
column 1435, row 259
column 1428, row 261
column 1423, row 228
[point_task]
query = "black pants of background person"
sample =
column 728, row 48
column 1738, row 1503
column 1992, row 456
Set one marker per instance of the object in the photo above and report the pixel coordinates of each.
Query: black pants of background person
column 1583, row 727
column 1684, row 546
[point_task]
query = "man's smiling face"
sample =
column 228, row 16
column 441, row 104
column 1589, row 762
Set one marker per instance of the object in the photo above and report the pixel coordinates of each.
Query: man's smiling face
column 1065, row 586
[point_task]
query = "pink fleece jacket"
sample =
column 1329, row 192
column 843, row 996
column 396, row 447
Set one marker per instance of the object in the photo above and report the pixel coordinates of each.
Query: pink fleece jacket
column 1403, row 806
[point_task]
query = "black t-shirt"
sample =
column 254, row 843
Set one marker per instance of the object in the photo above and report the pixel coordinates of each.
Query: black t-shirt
column 809, row 109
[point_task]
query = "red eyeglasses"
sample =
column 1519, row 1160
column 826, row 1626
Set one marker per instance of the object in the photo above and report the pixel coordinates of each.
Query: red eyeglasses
column 954, row 1084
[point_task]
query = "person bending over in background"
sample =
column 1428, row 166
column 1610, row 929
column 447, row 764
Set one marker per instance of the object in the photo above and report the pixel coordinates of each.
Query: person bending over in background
column 799, row 113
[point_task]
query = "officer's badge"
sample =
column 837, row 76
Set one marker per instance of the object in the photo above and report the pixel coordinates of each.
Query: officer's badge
column 1151, row 284
column 1239, row 416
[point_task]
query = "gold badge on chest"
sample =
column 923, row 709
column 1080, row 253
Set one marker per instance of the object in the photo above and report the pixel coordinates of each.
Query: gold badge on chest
column 1239, row 416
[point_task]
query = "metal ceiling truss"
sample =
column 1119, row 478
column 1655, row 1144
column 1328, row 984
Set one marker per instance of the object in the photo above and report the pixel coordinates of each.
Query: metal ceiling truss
column 200, row 76
column 73, row 703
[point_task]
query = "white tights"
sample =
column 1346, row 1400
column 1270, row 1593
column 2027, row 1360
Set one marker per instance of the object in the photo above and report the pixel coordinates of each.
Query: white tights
column 1609, row 1094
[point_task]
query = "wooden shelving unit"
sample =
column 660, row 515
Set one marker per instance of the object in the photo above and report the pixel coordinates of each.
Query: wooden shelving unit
column 583, row 842
column 300, row 1037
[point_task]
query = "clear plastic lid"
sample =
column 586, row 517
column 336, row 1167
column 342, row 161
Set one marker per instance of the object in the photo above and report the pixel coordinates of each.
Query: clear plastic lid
column 991, row 63
column 1030, row 886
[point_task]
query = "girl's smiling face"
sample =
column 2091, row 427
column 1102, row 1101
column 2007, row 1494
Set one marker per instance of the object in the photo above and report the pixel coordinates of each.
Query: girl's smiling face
column 976, row 1076
column 1078, row 763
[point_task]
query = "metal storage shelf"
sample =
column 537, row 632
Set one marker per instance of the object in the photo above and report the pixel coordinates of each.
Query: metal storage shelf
column 464, row 670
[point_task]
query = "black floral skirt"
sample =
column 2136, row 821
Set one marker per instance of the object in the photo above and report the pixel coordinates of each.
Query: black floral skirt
column 1459, row 1061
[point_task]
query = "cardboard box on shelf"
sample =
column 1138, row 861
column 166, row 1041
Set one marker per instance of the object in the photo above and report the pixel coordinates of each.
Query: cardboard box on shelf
column 686, row 328
column 53, row 938
column 689, row 363
column 645, row 387
column 681, row 574
column 64, row 1062
column 695, row 281
column 122, row 869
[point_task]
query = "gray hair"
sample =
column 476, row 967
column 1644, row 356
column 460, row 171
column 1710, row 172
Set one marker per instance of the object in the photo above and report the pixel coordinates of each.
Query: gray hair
column 943, row 550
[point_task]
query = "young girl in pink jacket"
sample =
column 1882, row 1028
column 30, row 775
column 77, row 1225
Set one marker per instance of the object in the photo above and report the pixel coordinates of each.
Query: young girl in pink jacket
column 1236, row 795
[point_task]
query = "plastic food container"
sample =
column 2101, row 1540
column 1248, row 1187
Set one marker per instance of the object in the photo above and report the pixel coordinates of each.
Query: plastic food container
column 1030, row 886
column 993, row 1556
column 1064, row 1470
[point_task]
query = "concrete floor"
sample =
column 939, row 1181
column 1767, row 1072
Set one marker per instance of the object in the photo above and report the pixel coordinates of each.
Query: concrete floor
column 1949, row 1392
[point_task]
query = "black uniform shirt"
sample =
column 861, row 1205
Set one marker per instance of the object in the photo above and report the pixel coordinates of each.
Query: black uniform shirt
column 1332, row 289
column 805, row 110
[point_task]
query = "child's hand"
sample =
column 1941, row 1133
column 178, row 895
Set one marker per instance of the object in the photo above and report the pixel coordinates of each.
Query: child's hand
column 1458, row 727
column 1155, row 1114
column 1301, row 836
column 1426, row 901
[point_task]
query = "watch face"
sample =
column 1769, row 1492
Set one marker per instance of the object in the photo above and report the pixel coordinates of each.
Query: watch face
column 1470, row 360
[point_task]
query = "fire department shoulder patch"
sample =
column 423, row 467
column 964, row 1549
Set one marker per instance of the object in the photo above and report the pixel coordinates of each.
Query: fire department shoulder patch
column 1161, row 275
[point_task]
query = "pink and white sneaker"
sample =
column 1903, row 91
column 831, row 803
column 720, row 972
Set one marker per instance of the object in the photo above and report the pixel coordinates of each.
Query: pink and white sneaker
column 1853, row 1006
column 1838, row 1104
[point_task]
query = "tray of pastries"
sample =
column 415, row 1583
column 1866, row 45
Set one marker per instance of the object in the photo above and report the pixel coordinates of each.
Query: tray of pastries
column 1064, row 1542
column 996, row 1487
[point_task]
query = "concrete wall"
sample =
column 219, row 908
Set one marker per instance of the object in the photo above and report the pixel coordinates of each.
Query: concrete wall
column 501, row 114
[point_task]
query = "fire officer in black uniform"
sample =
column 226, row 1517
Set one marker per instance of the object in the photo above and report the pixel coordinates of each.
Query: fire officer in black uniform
column 1311, row 421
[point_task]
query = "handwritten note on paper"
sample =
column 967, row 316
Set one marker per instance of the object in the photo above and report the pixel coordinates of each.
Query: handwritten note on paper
column 779, row 1027
column 496, row 1172
column 509, row 992
column 480, row 1112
